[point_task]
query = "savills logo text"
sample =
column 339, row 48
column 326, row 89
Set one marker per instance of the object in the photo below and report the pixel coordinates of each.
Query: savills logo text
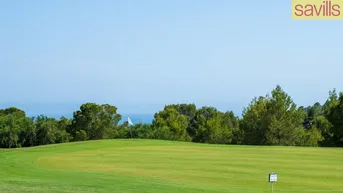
column 317, row 9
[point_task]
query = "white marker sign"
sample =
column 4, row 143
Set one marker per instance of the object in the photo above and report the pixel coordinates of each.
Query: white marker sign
column 272, row 177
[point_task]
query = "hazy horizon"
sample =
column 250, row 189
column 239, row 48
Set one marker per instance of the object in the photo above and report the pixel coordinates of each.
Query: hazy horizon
column 139, row 56
column 66, row 109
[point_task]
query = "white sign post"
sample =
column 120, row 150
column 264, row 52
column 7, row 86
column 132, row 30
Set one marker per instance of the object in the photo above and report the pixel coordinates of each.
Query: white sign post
column 272, row 179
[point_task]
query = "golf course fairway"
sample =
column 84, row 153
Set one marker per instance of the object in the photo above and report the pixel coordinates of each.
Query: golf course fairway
column 153, row 166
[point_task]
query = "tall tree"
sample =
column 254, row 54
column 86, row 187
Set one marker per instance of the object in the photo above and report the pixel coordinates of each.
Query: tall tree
column 13, row 111
column 9, row 132
column 46, row 129
column 170, row 124
column 335, row 116
column 62, row 135
column 27, row 135
column 213, row 126
column 95, row 120
column 16, row 130
column 273, row 120
column 254, row 122
column 188, row 110
column 316, row 121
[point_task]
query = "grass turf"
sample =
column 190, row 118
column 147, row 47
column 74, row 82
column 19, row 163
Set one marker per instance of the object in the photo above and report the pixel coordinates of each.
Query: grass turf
column 147, row 166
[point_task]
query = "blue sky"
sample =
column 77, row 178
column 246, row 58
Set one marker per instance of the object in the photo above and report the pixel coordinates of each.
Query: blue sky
column 140, row 55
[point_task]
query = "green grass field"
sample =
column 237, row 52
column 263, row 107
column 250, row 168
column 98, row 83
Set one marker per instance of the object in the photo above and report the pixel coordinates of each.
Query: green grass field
column 137, row 166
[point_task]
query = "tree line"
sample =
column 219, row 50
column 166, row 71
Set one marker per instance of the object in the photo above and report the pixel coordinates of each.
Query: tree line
column 273, row 119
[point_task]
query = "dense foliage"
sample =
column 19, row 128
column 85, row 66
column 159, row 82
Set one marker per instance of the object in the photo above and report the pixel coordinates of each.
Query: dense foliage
column 268, row 120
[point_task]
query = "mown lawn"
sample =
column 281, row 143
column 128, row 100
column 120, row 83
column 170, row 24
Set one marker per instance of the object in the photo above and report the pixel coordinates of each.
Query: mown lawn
column 147, row 166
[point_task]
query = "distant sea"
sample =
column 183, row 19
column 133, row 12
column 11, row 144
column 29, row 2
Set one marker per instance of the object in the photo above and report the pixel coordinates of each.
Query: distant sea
column 138, row 118
column 135, row 118
column 58, row 110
